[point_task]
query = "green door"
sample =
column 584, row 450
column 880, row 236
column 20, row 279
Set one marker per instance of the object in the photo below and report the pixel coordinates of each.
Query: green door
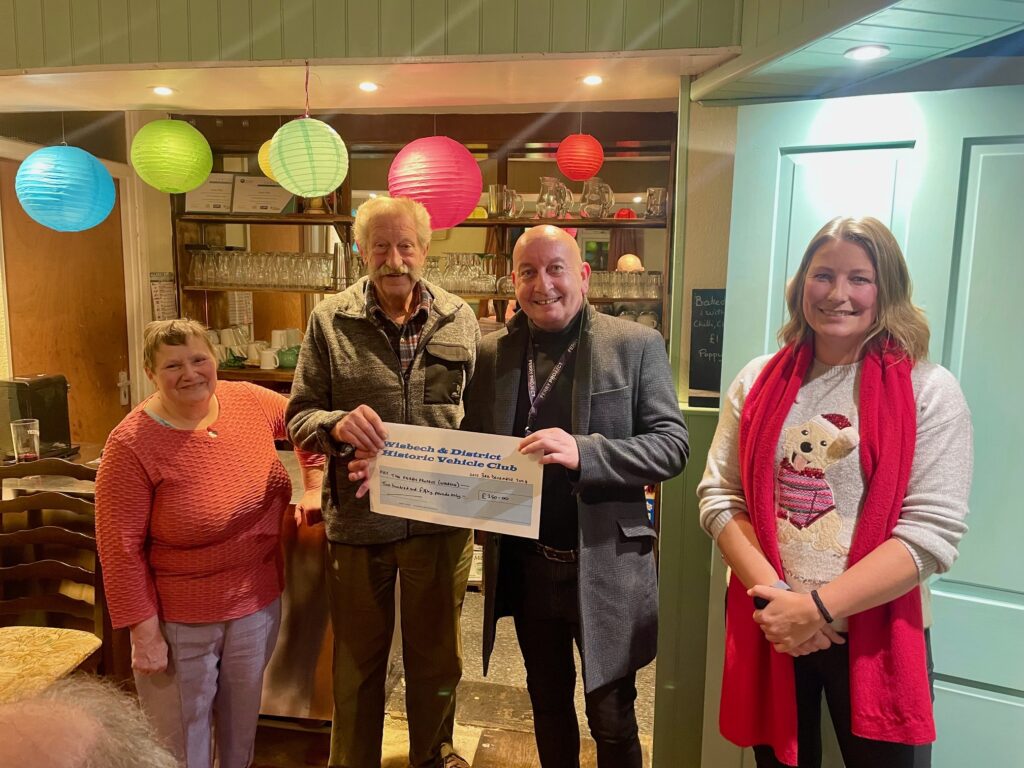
column 946, row 172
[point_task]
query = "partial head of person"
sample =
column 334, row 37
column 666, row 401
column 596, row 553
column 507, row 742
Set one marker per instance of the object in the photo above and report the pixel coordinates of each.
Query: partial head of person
column 393, row 235
column 629, row 262
column 79, row 722
column 551, row 279
column 852, row 290
column 180, row 361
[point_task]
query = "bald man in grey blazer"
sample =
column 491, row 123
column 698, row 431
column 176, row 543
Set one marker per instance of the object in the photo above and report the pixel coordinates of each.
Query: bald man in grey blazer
column 594, row 396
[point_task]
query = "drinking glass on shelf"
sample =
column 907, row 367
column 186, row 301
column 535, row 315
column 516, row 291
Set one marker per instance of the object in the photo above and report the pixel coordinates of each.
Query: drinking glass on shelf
column 655, row 203
column 654, row 284
column 210, row 268
column 279, row 269
column 197, row 268
column 259, row 269
column 234, row 267
column 222, row 268
column 324, row 268
column 496, row 205
column 25, row 438
column 432, row 271
column 514, row 203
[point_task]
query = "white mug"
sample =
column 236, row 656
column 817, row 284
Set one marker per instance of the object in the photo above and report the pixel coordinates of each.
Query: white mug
column 253, row 354
column 220, row 352
column 279, row 339
column 294, row 337
column 268, row 360
column 229, row 337
column 213, row 336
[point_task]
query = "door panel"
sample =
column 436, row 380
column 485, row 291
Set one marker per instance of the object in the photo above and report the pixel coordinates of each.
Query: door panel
column 946, row 171
column 984, row 354
column 66, row 308
column 816, row 185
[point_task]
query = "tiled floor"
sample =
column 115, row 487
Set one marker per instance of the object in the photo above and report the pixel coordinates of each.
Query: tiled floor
column 493, row 721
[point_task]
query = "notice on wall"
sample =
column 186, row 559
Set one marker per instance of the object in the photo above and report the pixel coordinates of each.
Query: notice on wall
column 707, row 320
column 161, row 289
column 213, row 195
column 258, row 194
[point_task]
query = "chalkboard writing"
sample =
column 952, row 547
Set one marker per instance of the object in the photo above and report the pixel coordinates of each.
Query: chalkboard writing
column 706, row 323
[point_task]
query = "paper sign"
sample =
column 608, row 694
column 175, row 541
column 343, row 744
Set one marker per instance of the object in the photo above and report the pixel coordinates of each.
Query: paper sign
column 212, row 196
column 258, row 194
column 462, row 479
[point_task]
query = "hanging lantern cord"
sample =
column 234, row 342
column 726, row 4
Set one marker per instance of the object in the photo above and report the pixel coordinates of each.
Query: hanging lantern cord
column 307, row 87
column 581, row 122
column 63, row 141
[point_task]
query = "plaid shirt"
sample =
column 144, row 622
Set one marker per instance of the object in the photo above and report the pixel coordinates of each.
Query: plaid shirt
column 404, row 338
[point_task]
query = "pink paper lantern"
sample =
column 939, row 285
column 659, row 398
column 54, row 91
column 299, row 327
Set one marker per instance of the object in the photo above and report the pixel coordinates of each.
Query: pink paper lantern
column 440, row 173
column 579, row 156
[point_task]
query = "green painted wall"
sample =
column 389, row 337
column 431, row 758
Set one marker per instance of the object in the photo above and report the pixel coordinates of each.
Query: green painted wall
column 685, row 556
column 66, row 33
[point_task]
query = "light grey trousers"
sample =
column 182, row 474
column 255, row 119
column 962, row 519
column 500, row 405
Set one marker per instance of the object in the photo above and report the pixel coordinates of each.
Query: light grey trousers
column 211, row 687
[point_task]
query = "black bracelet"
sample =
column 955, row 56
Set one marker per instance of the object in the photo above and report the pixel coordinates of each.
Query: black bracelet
column 821, row 607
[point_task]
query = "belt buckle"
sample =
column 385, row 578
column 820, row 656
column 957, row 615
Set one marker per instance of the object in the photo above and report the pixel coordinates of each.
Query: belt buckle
column 557, row 555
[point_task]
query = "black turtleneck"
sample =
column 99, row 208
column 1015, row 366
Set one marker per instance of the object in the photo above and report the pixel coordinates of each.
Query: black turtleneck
column 558, row 511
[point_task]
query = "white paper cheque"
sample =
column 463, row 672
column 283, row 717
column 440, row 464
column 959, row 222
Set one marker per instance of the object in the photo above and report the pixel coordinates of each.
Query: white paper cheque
column 464, row 479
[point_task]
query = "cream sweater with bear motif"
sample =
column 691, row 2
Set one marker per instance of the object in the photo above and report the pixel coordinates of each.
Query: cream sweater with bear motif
column 820, row 487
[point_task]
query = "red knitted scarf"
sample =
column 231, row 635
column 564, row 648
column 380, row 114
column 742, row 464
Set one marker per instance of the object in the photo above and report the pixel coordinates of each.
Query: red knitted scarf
column 889, row 691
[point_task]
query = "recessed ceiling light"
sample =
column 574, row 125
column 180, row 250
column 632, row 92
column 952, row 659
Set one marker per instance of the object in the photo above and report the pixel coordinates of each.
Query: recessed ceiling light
column 368, row 87
column 867, row 52
column 162, row 90
column 593, row 79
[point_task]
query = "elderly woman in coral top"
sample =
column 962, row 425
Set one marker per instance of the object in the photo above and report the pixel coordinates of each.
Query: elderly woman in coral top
column 836, row 484
column 189, row 503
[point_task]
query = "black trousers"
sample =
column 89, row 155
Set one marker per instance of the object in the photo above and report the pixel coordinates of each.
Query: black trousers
column 828, row 671
column 545, row 601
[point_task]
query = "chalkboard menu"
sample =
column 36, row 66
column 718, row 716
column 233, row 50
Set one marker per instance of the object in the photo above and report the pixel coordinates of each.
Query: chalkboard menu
column 706, row 323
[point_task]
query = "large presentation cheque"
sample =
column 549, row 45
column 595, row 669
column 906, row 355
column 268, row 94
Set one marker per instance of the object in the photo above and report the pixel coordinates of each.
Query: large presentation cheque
column 464, row 479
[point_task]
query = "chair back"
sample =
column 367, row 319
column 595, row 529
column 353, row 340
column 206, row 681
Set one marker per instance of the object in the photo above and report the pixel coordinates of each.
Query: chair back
column 49, row 570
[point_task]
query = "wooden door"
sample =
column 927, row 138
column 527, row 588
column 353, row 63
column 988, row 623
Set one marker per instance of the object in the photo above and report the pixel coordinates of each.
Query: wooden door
column 66, row 309
column 946, row 171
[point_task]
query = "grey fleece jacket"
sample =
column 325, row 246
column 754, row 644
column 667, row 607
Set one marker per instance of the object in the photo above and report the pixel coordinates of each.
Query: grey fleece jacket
column 346, row 360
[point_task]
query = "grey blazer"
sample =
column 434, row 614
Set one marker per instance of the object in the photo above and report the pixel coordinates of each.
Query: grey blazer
column 630, row 433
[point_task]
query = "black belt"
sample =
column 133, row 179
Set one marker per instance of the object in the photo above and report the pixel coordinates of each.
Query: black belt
column 557, row 555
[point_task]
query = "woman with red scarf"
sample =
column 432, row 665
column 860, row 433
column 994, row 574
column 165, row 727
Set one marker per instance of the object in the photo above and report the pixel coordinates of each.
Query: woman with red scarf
column 836, row 484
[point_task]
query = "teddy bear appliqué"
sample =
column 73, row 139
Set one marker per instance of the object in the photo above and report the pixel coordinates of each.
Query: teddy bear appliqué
column 805, row 499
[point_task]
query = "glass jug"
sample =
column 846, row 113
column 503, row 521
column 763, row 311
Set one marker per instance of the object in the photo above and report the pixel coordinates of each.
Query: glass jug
column 597, row 199
column 554, row 198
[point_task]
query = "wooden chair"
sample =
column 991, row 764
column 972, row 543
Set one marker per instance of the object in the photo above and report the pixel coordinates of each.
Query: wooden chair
column 52, row 613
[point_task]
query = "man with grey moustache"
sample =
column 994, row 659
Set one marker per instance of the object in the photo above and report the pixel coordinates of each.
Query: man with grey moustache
column 391, row 348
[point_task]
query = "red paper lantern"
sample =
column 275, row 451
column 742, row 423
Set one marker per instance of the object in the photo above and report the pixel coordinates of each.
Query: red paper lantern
column 579, row 156
column 440, row 173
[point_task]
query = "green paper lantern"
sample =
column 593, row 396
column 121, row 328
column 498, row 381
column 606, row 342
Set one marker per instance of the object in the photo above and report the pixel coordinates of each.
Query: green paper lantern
column 171, row 156
column 308, row 157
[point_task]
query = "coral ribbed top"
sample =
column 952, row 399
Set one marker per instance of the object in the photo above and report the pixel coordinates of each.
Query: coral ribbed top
column 188, row 522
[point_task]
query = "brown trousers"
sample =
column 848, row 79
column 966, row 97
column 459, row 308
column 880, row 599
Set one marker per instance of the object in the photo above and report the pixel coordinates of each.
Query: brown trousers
column 361, row 591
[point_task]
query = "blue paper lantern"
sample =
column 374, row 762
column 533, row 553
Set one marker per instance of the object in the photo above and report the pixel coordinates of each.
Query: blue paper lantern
column 64, row 188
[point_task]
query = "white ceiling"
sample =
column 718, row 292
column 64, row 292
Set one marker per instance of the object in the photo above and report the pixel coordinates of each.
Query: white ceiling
column 500, row 84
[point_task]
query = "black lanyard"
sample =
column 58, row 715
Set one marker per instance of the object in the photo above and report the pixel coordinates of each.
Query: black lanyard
column 538, row 398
